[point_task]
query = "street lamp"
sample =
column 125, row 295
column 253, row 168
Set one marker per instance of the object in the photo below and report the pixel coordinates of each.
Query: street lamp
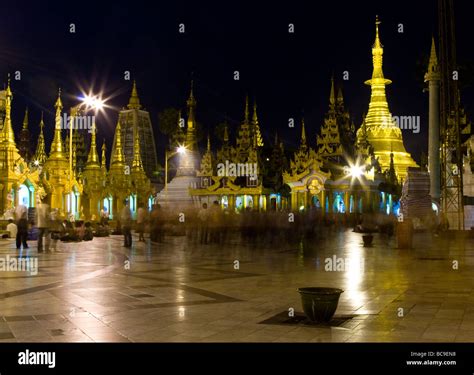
column 179, row 150
column 356, row 171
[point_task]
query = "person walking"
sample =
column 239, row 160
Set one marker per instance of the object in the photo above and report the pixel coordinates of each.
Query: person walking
column 203, row 218
column 21, row 214
column 42, row 222
column 141, row 219
column 126, row 222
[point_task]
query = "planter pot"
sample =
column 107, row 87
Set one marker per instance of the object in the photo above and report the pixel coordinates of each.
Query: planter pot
column 368, row 238
column 319, row 304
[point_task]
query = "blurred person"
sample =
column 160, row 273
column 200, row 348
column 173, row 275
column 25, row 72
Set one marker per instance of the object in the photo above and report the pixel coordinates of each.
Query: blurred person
column 88, row 232
column 215, row 222
column 104, row 217
column 141, row 219
column 203, row 217
column 55, row 228
column 21, row 216
column 42, row 222
column 126, row 223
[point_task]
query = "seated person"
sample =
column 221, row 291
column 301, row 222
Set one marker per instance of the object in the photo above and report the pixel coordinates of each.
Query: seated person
column 88, row 235
column 68, row 234
column 12, row 229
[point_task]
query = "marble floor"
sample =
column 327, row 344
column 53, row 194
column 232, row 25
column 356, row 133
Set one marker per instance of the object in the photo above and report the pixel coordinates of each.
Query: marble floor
column 178, row 291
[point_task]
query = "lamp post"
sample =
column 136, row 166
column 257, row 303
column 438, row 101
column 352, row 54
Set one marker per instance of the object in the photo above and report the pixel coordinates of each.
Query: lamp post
column 179, row 150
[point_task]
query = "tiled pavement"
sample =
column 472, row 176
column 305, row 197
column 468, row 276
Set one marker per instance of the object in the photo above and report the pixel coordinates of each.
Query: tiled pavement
column 180, row 292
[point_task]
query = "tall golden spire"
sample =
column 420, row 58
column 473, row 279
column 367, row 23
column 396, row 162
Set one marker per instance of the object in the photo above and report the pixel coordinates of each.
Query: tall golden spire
column 208, row 143
column 25, row 119
column 40, row 154
column 191, row 102
column 332, row 96
column 8, row 134
column 433, row 67
column 137, row 159
column 377, row 52
column 381, row 129
column 256, row 128
column 103, row 159
column 378, row 113
column 303, row 133
column 93, row 158
column 57, row 144
column 340, row 97
column 134, row 102
column 191, row 143
column 117, row 152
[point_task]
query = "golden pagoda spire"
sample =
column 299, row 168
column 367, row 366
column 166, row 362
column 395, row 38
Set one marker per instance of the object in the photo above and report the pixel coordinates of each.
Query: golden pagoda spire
column 256, row 128
column 137, row 159
column 93, row 158
column 377, row 54
column 433, row 57
column 191, row 142
column 8, row 134
column 208, row 142
column 380, row 128
column 40, row 154
column 340, row 97
column 378, row 108
column 332, row 96
column 25, row 119
column 303, row 133
column 103, row 159
column 57, row 144
column 134, row 102
column 117, row 152
column 191, row 102
column 433, row 67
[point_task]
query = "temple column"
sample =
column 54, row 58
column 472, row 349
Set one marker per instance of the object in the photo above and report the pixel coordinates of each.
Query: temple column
column 256, row 204
column 346, row 203
column 294, row 200
column 330, row 202
column 433, row 78
column 322, row 201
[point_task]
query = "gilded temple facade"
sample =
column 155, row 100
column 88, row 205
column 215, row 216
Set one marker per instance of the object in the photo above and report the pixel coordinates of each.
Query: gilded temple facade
column 78, row 192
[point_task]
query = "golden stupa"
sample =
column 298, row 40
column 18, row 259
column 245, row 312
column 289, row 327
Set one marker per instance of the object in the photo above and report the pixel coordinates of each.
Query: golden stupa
column 379, row 127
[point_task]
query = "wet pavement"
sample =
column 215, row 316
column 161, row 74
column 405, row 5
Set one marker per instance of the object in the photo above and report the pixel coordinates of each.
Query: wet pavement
column 177, row 291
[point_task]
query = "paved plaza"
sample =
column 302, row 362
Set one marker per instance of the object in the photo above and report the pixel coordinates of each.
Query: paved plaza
column 178, row 291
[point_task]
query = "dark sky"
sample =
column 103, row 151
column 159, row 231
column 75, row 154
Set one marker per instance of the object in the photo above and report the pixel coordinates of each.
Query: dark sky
column 288, row 73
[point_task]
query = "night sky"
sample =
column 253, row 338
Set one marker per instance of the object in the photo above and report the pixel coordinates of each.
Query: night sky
column 287, row 73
